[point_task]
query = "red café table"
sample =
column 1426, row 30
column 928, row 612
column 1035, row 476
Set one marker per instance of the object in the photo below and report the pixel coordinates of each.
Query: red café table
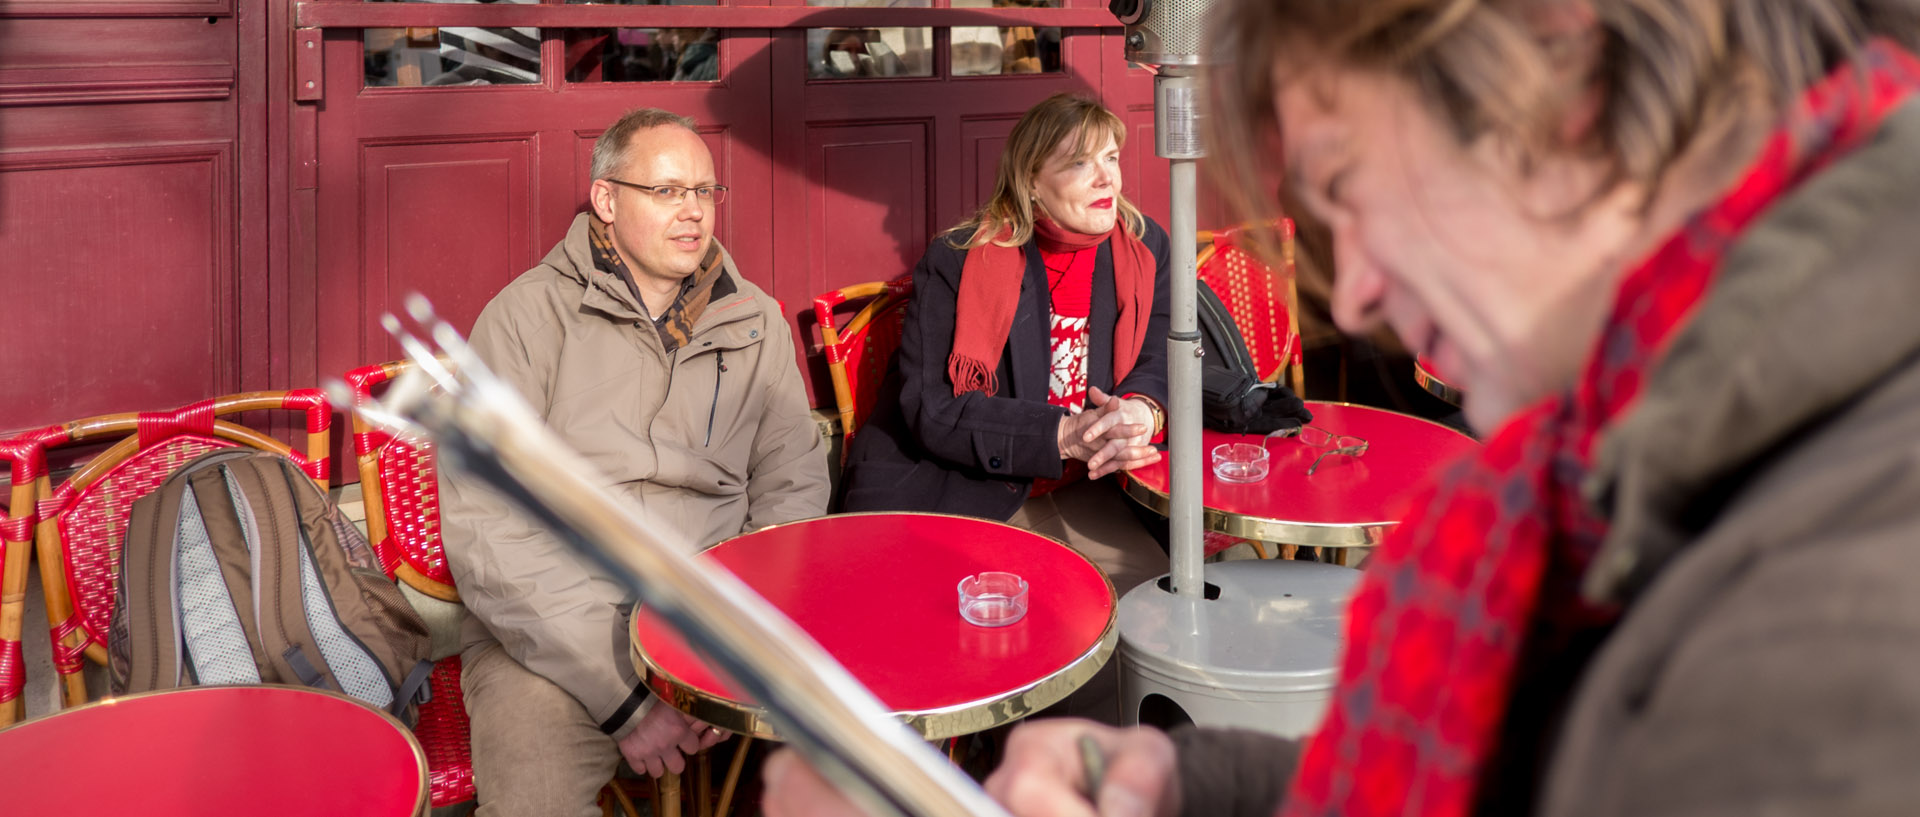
column 1430, row 379
column 1348, row 502
column 879, row 592
column 216, row 750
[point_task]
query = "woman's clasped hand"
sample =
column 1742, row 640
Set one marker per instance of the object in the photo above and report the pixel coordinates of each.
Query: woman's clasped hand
column 1114, row 435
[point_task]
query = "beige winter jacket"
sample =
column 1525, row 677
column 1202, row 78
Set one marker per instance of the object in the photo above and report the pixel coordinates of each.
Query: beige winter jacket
column 706, row 443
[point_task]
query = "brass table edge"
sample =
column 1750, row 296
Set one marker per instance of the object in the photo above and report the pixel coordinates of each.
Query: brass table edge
column 1277, row 531
column 420, row 798
column 1437, row 387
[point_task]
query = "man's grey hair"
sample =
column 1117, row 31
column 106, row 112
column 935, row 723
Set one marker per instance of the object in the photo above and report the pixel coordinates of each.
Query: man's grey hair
column 614, row 147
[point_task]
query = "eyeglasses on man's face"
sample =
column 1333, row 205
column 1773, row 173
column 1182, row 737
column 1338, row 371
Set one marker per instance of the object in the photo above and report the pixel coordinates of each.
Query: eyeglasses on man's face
column 673, row 195
column 1316, row 437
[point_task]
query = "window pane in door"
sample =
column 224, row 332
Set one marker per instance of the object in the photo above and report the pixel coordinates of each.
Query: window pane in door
column 451, row 56
column 859, row 53
column 643, row 55
column 990, row 51
column 855, row 53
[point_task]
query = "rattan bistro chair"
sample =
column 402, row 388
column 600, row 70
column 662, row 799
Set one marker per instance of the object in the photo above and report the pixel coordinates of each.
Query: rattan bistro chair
column 399, row 485
column 859, row 353
column 1259, row 293
column 401, row 492
column 82, row 521
column 27, row 468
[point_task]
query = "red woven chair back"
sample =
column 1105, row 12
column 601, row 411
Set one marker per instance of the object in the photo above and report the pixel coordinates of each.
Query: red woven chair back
column 27, row 470
column 82, row 522
column 402, row 494
column 1257, row 294
column 859, row 353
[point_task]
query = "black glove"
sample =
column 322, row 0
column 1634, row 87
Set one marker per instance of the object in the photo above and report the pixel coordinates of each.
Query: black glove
column 1282, row 409
column 1238, row 404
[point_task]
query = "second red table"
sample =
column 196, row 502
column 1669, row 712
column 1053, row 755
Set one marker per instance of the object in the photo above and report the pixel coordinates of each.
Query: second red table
column 878, row 592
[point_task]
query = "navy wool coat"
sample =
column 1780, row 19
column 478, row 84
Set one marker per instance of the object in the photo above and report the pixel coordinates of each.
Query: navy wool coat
column 924, row 449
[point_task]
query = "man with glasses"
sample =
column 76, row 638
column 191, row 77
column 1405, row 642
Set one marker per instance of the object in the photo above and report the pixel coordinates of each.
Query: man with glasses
column 643, row 348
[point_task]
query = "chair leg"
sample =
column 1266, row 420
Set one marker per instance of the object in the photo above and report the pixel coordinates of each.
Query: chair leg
column 1259, row 548
column 732, row 782
column 620, row 796
column 703, row 784
column 669, row 786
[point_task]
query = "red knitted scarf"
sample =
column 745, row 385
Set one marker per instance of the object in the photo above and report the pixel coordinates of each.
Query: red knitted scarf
column 1478, row 585
column 990, row 292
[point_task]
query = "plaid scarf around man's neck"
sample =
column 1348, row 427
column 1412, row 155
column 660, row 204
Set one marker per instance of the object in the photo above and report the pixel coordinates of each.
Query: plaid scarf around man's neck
column 1478, row 589
column 676, row 324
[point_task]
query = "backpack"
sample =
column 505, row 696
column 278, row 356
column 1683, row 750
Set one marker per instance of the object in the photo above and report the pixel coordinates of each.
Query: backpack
column 1232, row 397
column 237, row 570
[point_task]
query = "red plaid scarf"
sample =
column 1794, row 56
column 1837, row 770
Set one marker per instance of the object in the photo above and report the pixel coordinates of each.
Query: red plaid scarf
column 1478, row 588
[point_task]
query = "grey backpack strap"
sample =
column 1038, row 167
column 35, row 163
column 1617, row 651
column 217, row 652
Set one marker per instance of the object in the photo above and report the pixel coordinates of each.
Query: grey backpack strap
column 150, row 629
column 413, row 690
column 307, row 637
column 213, row 631
column 142, row 643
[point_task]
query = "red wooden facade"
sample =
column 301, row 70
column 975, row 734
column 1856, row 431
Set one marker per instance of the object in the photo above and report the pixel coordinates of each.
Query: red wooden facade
column 200, row 197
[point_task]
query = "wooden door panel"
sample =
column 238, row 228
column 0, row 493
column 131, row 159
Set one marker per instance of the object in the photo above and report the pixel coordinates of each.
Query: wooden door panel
column 116, row 8
column 871, row 222
column 451, row 220
column 122, row 279
column 981, row 140
column 1144, row 177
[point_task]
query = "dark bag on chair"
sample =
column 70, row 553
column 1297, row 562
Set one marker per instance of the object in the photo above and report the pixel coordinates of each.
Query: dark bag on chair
column 1232, row 397
column 238, row 570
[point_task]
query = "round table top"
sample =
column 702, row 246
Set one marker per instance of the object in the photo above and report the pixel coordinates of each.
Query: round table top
column 216, row 750
column 1430, row 379
column 1348, row 502
column 879, row 592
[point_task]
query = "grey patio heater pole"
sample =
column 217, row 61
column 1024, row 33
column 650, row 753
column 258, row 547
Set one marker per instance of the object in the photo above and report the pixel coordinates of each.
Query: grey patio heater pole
column 1177, row 138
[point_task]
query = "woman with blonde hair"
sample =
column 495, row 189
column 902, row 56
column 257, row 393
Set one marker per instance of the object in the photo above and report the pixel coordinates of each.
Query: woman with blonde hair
column 1670, row 248
column 1033, row 353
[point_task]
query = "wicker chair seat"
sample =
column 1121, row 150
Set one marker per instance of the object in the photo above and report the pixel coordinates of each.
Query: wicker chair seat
column 443, row 734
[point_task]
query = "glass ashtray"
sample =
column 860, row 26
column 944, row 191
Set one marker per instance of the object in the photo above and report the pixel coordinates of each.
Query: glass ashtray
column 1240, row 462
column 993, row 599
